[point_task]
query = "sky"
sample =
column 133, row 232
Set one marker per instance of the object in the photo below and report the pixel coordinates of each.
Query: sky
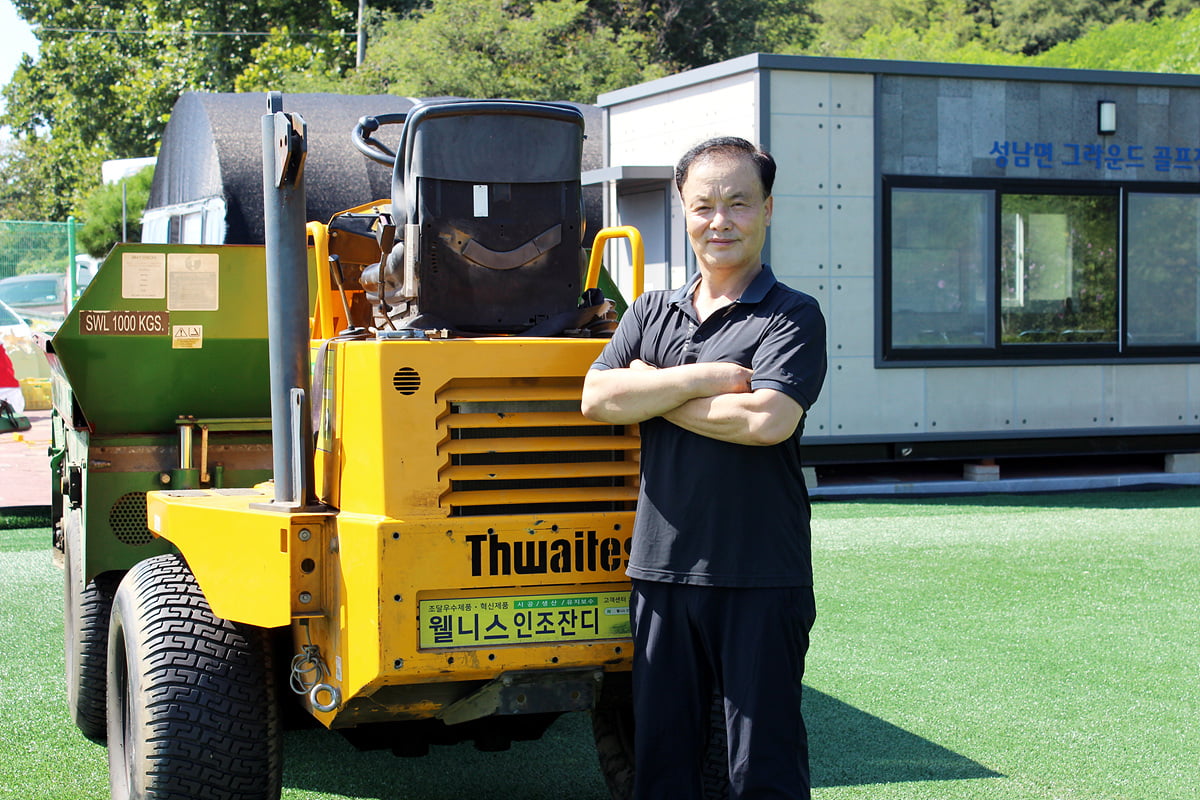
column 15, row 38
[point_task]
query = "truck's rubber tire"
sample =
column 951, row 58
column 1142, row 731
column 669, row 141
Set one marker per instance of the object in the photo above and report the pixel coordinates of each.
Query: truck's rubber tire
column 192, row 713
column 612, row 726
column 86, row 609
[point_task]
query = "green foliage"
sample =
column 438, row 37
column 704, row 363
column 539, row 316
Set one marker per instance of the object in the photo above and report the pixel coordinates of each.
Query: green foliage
column 1137, row 35
column 107, row 76
column 1164, row 45
column 978, row 31
column 548, row 50
column 845, row 24
column 691, row 33
column 1034, row 26
column 567, row 49
column 284, row 64
column 102, row 212
column 784, row 26
column 38, row 173
column 936, row 43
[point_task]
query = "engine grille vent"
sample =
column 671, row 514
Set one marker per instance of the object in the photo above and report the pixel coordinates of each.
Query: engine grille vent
column 406, row 380
column 127, row 519
column 523, row 447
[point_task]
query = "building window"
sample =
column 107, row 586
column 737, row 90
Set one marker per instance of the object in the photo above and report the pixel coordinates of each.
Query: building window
column 1164, row 269
column 941, row 253
column 1017, row 271
column 1058, row 268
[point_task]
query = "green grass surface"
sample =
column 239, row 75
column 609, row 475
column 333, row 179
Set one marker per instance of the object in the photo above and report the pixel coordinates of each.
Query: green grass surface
column 1023, row 648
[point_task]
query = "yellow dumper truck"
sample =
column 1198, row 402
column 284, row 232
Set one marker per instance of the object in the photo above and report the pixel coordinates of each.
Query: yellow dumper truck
column 408, row 528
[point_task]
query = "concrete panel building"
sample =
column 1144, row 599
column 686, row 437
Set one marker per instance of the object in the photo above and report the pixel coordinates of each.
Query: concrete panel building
column 1008, row 258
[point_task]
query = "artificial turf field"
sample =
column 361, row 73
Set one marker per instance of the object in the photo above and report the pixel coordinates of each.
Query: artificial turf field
column 1008, row 648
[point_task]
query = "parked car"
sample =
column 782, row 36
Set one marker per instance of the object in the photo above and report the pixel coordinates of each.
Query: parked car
column 36, row 295
column 18, row 340
column 13, row 326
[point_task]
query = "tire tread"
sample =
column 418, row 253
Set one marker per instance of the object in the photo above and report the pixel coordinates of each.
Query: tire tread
column 210, row 723
column 86, row 637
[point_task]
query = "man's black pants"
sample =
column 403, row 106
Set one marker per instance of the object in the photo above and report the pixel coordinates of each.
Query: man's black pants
column 748, row 644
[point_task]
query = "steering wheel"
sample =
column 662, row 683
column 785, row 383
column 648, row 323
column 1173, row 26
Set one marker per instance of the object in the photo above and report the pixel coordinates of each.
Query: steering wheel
column 365, row 142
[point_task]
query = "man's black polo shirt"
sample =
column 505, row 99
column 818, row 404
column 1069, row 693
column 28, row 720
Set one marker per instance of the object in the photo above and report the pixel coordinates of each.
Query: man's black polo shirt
column 710, row 512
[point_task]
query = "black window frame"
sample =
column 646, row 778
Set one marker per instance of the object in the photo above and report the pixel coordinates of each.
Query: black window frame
column 1000, row 353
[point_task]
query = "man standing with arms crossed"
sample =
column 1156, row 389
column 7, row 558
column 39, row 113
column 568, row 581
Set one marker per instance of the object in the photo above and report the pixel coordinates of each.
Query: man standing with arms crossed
column 719, row 375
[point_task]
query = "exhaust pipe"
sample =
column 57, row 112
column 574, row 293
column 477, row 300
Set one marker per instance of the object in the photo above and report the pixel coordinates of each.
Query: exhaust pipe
column 285, row 146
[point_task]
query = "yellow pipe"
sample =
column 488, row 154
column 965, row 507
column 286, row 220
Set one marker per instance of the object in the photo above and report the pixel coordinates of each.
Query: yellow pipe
column 322, row 327
column 639, row 256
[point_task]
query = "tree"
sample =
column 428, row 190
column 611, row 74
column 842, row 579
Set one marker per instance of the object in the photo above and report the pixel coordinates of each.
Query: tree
column 281, row 63
column 105, row 207
column 684, row 34
column 940, row 42
column 568, row 49
column 1110, row 34
column 1165, row 45
column 108, row 74
column 845, row 23
column 1034, row 26
column 1025, row 27
column 31, row 168
column 548, row 50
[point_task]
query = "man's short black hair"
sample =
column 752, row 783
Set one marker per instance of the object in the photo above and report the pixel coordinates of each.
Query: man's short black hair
column 729, row 146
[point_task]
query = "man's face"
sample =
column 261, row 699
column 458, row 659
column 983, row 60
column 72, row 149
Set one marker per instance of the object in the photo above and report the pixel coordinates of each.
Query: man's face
column 726, row 212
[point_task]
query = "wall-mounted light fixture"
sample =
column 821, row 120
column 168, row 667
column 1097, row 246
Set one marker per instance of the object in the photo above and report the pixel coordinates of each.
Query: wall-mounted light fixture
column 1106, row 118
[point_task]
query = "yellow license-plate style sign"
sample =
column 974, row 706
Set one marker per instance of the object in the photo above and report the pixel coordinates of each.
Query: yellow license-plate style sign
column 525, row 619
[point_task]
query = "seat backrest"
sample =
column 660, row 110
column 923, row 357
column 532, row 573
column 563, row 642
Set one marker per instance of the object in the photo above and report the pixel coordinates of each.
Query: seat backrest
column 494, row 189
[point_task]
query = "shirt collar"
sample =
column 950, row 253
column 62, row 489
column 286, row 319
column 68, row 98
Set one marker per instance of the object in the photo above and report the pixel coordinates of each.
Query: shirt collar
column 754, row 293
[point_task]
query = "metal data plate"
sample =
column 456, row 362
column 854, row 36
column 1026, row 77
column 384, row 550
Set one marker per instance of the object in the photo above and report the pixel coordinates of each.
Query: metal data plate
column 524, row 619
